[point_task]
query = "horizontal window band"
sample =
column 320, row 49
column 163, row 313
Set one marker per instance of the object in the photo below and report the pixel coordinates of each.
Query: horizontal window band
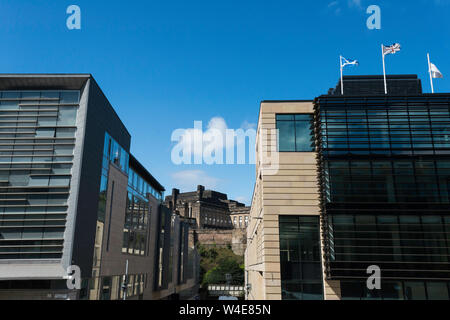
column 32, row 220
column 30, row 252
column 36, row 206
column 40, row 144
column 42, row 138
column 31, row 163
column 386, row 247
column 36, row 246
column 359, row 254
column 38, row 127
column 34, row 227
column 30, row 99
column 15, row 133
column 25, row 169
column 36, row 156
column 26, row 150
column 33, row 193
column 38, row 105
column 33, row 187
column 51, row 175
column 32, row 239
column 19, row 111
column 393, row 279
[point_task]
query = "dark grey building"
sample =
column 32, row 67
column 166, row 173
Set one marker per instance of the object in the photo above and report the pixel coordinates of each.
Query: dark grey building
column 383, row 164
column 72, row 194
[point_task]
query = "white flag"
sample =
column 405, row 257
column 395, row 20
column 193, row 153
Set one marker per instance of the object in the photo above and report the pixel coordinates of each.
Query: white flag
column 347, row 62
column 435, row 73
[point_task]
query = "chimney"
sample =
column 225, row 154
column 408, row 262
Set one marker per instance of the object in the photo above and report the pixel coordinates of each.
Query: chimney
column 200, row 190
column 175, row 193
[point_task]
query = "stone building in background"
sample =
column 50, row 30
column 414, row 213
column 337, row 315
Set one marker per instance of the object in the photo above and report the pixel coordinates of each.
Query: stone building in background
column 215, row 220
column 210, row 209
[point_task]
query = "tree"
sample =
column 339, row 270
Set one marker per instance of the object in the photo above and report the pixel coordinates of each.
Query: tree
column 216, row 262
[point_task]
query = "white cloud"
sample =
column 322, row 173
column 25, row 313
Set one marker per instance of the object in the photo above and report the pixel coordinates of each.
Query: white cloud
column 188, row 180
column 211, row 144
column 248, row 125
column 196, row 136
column 354, row 3
column 333, row 4
column 336, row 6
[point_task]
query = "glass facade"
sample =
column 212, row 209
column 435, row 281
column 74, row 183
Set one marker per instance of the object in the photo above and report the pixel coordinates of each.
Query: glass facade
column 136, row 224
column 142, row 187
column 135, row 231
column 384, row 166
column 112, row 153
column 296, row 132
column 111, row 287
column 405, row 244
column 37, row 141
column 164, row 232
column 301, row 269
column 396, row 290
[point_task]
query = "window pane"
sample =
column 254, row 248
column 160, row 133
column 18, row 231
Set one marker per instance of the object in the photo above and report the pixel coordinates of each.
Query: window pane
column 67, row 116
column 303, row 136
column 303, row 117
column 415, row 291
column 286, row 136
column 437, row 291
column 285, row 117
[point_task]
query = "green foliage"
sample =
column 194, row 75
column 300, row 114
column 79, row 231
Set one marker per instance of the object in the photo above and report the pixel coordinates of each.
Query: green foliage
column 215, row 263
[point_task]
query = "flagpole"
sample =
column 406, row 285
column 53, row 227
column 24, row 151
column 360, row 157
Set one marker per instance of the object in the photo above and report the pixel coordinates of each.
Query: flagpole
column 342, row 81
column 429, row 71
column 384, row 70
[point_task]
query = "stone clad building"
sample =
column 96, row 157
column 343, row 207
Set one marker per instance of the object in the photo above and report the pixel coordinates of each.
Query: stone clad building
column 215, row 220
column 361, row 180
column 210, row 209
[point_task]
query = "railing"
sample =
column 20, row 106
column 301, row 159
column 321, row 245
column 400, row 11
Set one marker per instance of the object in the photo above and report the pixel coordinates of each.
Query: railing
column 226, row 290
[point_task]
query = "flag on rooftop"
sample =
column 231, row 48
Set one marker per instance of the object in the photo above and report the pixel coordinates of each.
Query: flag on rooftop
column 396, row 47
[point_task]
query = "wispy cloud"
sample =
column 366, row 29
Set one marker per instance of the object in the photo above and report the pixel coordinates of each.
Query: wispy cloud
column 213, row 137
column 248, row 125
column 337, row 6
column 354, row 4
column 188, row 180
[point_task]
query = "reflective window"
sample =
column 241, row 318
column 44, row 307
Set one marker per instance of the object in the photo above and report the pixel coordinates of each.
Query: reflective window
column 37, row 129
column 296, row 133
column 301, row 269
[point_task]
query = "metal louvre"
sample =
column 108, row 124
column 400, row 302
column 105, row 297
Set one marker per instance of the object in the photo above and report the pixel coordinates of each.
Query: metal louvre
column 37, row 139
column 384, row 159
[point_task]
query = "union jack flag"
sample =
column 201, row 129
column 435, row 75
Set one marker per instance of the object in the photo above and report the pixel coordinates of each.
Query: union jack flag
column 391, row 49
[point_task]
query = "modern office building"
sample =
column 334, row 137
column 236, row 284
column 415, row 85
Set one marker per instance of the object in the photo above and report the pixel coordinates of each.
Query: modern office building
column 71, row 194
column 362, row 180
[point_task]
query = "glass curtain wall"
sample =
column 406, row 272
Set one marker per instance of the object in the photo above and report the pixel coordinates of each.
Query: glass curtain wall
column 301, row 269
column 37, row 140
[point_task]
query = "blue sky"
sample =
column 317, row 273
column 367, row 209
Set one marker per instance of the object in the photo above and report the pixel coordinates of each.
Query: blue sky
column 164, row 64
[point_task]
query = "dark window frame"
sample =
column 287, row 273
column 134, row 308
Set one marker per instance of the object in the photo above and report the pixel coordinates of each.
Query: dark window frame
column 294, row 120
